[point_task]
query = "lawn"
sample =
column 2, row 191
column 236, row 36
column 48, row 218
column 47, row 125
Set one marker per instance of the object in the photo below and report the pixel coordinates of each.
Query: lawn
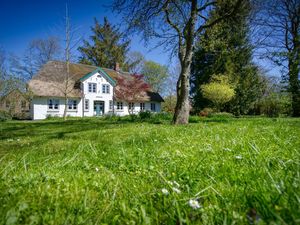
column 98, row 171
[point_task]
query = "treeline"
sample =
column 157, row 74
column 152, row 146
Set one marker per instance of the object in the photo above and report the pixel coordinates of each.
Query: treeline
column 226, row 51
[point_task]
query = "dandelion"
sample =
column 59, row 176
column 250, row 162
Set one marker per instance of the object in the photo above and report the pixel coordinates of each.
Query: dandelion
column 238, row 157
column 176, row 190
column 97, row 170
column 165, row 191
column 194, row 204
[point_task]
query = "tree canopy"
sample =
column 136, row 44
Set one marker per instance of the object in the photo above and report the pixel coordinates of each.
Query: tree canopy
column 107, row 46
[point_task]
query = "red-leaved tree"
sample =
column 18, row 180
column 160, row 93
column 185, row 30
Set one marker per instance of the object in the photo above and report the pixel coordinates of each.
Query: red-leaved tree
column 131, row 89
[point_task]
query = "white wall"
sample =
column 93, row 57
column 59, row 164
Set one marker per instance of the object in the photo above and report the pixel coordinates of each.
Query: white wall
column 98, row 96
column 40, row 108
column 136, row 109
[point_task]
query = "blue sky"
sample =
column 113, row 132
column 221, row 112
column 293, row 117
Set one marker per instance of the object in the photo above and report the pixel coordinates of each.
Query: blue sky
column 22, row 21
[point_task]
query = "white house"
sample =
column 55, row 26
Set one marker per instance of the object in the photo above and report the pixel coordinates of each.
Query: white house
column 90, row 91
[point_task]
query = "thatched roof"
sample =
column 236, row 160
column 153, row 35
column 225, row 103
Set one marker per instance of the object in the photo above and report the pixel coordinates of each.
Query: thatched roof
column 50, row 81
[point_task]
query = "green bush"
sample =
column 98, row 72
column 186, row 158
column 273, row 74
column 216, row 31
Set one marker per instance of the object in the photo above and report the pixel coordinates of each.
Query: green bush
column 221, row 116
column 145, row 115
column 206, row 112
column 5, row 116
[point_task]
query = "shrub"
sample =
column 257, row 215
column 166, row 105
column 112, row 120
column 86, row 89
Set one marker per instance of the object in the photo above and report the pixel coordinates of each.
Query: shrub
column 145, row 115
column 225, row 115
column 206, row 112
column 5, row 116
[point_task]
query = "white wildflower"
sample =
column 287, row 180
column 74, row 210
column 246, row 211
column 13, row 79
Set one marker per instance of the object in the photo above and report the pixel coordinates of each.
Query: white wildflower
column 165, row 191
column 97, row 170
column 170, row 183
column 176, row 184
column 238, row 157
column 194, row 204
column 176, row 190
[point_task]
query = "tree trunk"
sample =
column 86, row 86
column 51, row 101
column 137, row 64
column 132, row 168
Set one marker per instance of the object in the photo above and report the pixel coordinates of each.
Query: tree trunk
column 182, row 109
column 294, row 86
column 65, row 110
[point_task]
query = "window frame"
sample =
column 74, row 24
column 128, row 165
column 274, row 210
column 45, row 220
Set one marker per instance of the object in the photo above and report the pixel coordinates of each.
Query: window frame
column 111, row 105
column 153, row 107
column 130, row 105
column 72, row 105
column 86, row 104
column 105, row 89
column 142, row 106
column 92, row 87
column 120, row 106
column 54, row 104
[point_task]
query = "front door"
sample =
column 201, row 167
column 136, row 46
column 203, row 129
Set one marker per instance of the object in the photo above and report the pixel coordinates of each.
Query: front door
column 98, row 108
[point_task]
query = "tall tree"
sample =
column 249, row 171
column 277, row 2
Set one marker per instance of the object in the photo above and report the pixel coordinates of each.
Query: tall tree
column 155, row 75
column 107, row 47
column 177, row 23
column 225, row 49
column 37, row 53
column 279, row 21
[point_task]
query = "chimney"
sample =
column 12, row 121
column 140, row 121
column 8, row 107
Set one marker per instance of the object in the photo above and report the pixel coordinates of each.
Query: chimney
column 117, row 67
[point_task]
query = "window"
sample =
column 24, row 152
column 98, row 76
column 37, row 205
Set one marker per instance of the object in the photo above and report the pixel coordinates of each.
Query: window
column 142, row 106
column 119, row 105
column 86, row 104
column 105, row 89
column 131, row 105
column 7, row 103
column 53, row 104
column 153, row 107
column 92, row 87
column 23, row 104
column 111, row 105
column 72, row 104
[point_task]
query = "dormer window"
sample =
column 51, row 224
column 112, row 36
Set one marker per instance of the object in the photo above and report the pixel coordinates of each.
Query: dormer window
column 105, row 89
column 92, row 87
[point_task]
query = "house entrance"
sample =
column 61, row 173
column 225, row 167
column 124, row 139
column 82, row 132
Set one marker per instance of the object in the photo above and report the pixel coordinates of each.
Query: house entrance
column 98, row 108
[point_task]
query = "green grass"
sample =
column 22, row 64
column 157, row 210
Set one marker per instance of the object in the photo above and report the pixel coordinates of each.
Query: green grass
column 112, row 171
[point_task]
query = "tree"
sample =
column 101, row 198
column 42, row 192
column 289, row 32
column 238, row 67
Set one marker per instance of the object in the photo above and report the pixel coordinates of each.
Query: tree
column 279, row 21
column 155, row 75
column 177, row 23
column 131, row 89
column 37, row 54
column 226, row 49
column 135, row 61
column 219, row 90
column 107, row 48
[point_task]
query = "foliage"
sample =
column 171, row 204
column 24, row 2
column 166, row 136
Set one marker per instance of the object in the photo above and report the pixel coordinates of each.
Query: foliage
column 273, row 105
column 107, row 46
column 132, row 89
column 67, row 172
column 145, row 115
column 278, row 28
column 155, row 75
column 219, row 90
column 225, row 49
column 206, row 112
column 4, row 116
column 169, row 104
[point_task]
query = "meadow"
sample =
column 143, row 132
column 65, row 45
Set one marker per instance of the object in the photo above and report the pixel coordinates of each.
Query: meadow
column 114, row 171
